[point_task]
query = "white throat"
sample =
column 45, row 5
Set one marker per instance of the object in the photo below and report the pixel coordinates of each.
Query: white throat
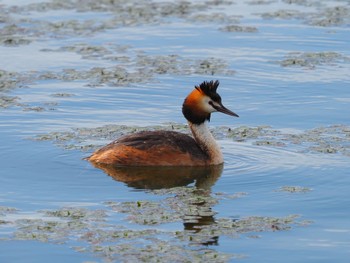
column 207, row 142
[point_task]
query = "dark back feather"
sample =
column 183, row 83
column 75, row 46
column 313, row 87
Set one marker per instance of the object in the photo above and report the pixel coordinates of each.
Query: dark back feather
column 172, row 140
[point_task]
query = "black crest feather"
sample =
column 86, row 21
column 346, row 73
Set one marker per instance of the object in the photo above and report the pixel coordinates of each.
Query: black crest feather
column 209, row 88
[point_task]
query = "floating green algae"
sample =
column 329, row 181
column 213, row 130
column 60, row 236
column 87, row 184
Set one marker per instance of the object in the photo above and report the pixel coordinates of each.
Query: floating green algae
column 328, row 140
column 8, row 101
column 140, row 69
column 158, row 250
column 9, row 80
column 313, row 59
column 239, row 28
column 118, row 14
column 14, row 101
column 320, row 15
column 218, row 17
column 91, row 230
column 132, row 67
column 294, row 189
column 331, row 139
column 284, row 14
column 7, row 210
column 77, row 214
column 331, row 16
column 186, row 204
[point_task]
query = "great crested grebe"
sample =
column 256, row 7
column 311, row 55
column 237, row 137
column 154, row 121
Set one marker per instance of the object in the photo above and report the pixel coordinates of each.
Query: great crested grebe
column 169, row 148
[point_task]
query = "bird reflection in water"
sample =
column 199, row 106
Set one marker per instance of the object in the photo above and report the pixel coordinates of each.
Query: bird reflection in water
column 152, row 178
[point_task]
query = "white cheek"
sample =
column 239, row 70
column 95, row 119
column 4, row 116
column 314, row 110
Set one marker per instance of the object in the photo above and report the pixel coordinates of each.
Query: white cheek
column 206, row 106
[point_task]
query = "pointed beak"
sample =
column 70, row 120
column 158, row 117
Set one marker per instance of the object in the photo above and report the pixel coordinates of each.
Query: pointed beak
column 223, row 109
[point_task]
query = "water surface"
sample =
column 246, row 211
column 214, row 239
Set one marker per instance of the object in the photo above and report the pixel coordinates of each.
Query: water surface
column 282, row 195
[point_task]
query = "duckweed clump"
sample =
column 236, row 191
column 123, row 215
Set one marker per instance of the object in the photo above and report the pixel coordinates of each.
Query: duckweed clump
column 331, row 139
column 331, row 16
column 7, row 210
column 9, row 80
column 8, row 101
column 313, row 59
column 320, row 15
column 186, row 204
column 23, row 30
column 328, row 140
column 131, row 67
column 284, row 14
column 77, row 214
column 157, row 250
column 238, row 28
column 294, row 189
column 141, row 69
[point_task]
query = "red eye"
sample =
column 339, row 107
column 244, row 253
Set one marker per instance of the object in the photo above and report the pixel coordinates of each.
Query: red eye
column 211, row 103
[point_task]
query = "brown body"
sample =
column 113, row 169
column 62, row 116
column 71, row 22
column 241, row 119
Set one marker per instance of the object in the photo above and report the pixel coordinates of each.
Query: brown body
column 168, row 148
column 152, row 148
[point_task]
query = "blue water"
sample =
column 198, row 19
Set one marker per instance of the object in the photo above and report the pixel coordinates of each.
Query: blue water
column 38, row 175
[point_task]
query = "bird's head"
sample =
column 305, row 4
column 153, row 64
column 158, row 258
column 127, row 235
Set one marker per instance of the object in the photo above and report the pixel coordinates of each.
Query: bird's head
column 202, row 101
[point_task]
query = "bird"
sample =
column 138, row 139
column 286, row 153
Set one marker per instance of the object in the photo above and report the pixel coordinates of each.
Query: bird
column 170, row 148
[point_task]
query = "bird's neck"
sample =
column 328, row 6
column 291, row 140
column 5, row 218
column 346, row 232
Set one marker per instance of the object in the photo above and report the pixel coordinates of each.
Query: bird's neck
column 206, row 141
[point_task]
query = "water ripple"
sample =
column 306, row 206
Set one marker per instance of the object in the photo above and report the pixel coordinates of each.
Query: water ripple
column 247, row 158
